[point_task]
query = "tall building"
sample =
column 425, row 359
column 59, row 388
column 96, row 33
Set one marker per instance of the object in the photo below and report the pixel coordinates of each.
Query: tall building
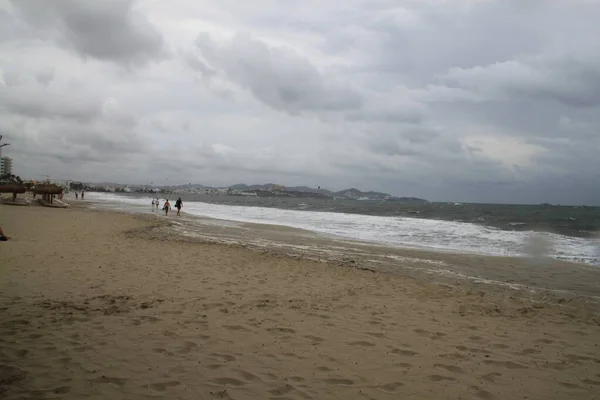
column 5, row 166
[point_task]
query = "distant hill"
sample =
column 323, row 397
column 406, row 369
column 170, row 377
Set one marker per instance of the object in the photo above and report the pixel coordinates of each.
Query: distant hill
column 243, row 186
column 355, row 194
column 347, row 194
column 299, row 191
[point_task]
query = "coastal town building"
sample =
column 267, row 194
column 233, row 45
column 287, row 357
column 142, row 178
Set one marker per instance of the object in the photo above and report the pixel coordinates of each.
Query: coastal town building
column 6, row 166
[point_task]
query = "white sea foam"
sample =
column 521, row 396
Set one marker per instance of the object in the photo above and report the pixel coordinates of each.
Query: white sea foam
column 391, row 231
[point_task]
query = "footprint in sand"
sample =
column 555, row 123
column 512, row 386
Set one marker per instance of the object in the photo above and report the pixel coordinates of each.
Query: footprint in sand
column 282, row 330
column 591, row 382
column 391, row 387
column 455, row 356
column 339, row 382
column 228, row 381
column 530, row 351
column 406, row 353
column 272, row 377
column 32, row 336
column 282, row 390
column 188, row 347
column 362, row 343
column 237, row 328
column 577, row 358
column 431, row 335
column 491, row 377
column 225, row 357
column 293, row 355
column 247, row 376
column 376, row 334
column 569, row 385
column 557, row 365
column 505, row 364
column 21, row 353
column 450, row 368
column 163, row 386
column 544, row 341
column 472, row 350
column 61, row 390
column 149, row 318
column 440, row 378
column 315, row 339
column 482, row 394
column 109, row 379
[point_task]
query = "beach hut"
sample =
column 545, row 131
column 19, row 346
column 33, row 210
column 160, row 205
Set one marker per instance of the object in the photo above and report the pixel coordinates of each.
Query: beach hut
column 48, row 192
column 15, row 189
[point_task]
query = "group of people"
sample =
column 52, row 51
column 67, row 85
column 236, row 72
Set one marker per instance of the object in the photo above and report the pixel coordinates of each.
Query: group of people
column 167, row 206
column 77, row 195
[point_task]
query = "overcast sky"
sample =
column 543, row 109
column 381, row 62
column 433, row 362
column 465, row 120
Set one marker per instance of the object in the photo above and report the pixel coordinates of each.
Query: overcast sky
column 457, row 100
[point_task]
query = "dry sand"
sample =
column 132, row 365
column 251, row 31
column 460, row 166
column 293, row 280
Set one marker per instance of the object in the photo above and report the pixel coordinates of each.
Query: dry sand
column 101, row 305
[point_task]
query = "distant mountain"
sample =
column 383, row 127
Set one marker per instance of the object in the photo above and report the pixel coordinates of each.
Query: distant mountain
column 298, row 191
column 355, row 194
column 243, row 186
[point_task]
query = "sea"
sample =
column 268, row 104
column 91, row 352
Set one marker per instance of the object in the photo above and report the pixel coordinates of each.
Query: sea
column 570, row 233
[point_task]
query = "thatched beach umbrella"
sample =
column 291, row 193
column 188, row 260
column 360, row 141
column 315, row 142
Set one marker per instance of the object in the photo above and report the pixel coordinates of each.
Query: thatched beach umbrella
column 47, row 189
column 13, row 188
column 47, row 192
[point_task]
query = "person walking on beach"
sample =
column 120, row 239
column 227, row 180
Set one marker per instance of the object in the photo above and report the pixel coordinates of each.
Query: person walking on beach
column 167, row 207
column 179, row 206
column 153, row 203
column 82, row 194
column 76, row 195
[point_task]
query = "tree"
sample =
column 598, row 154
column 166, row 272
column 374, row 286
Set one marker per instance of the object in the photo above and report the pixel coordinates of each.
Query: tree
column 11, row 178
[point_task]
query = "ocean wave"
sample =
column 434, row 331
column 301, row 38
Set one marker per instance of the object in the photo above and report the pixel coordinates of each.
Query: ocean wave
column 391, row 231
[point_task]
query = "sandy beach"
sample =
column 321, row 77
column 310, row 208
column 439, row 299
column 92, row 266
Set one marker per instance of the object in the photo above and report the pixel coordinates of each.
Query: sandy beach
column 104, row 305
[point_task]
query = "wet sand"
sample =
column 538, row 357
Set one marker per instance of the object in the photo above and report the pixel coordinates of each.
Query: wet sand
column 105, row 305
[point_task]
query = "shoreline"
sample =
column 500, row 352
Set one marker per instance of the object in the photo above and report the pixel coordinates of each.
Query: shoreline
column 99, row 304
column 566, row 281
column 352, row 207
column 457, row 237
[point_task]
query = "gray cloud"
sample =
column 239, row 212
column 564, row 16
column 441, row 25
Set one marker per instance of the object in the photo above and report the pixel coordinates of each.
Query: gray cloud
column 36, row 104
column 45, row 77
column 570, row 79
column 276, row 76
column 106, row 30
column 463, row 100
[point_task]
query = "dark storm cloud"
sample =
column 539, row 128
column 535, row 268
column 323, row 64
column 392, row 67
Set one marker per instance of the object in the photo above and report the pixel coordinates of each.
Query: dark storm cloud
column 573, row 80
column 111, row 30
column 481, row 100
column 278, row 77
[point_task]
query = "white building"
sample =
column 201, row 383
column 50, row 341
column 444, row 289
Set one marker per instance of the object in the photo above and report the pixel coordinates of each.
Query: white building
column 5, row 166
